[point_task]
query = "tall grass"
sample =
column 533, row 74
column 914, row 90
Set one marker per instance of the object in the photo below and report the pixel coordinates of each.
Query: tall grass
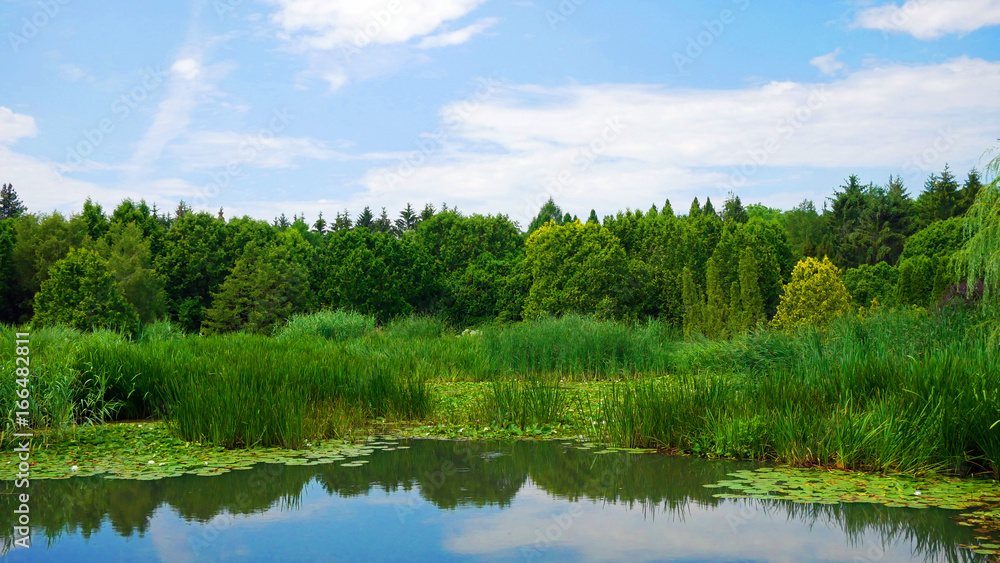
column 894, row 391
column 576, row 346
column 524, row 403
column 332, row 325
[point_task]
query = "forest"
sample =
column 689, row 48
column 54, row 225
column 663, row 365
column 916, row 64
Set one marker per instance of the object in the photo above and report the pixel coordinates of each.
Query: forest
column 717, row 272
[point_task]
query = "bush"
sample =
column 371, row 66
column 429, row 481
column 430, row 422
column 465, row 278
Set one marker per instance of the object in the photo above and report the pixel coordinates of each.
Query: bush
column 332, row 325
column 815, row 295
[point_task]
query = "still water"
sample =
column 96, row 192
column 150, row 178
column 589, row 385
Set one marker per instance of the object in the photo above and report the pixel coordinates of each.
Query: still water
column 468, row 501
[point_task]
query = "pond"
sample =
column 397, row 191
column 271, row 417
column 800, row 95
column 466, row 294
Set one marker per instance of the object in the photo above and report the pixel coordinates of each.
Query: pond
column 436, row 500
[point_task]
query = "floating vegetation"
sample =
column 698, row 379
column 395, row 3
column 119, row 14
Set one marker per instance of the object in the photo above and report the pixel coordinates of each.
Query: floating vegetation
column 148, row 451
column 979, row 499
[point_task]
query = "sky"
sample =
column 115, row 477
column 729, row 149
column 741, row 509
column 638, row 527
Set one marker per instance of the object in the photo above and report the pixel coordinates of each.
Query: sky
column 264, row 107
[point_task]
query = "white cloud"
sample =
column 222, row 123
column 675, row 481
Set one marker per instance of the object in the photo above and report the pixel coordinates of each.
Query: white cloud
column 828, row 63
column 327, row 24
column 457, row 37
column 14, row 126
column 212, row 149
column 504, row 150
column 931, row 19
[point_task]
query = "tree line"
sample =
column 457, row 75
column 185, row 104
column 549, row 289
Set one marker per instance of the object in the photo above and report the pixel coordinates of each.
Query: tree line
column 715, row 272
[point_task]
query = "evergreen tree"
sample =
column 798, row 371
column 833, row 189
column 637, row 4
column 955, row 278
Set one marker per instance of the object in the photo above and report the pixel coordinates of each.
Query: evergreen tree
column 97, row 222
column 709, row 210
column 751, row 298
column 266, row 287
column 342, row 221
column 667, row 209
column 733, row 211
column 593, row 218
column 366, row 220
column 967, row 195
column 130, row 261
column 695, row 208
column 549, row 212
column 428, row 212
column 940, row 198
column 10, row 205
column 320, row 225
column 716, row 314
column 693, row 303
column 408, row 219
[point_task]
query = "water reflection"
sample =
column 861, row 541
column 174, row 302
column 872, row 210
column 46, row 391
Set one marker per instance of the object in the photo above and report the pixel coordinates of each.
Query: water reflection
column 440, row 500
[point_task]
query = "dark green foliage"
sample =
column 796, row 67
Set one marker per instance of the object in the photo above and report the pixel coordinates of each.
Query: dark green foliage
column 941, row 239
column 473, row 257
column 194, row 263
column 7, row 298
column 922, row 280
column 40, row 242
column 130, row 261
column 11, row 206
column 93, row 216
column 267, row 286
column 574, row 268
column 373, row 273
column 869, row 223
column 940, row 198
column 868, row 284
column 733, row 210
column 81, row 292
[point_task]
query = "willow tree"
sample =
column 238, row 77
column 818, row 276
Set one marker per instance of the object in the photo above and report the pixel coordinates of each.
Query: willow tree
column 979, row 259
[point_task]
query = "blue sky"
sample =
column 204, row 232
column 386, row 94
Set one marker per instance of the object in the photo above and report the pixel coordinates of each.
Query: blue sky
column 289, row 106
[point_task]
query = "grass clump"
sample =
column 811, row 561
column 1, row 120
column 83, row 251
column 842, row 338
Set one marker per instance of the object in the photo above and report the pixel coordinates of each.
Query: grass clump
column 331, row 325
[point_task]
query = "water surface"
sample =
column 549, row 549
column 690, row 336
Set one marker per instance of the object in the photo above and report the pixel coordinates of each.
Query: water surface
column 468, row 501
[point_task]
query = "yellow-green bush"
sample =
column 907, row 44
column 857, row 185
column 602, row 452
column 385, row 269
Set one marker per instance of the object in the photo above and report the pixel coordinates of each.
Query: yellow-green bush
column 815, row 295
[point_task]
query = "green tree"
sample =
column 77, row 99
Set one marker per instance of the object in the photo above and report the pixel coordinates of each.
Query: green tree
column 194, row 263
column 751, row 313
column 869, row 284
column 574, row 268
column 471, row 256
column 733, row 211
column 40, row 242
column 549, row 212
column 815, row 295
column 131, row 262
column 693, row 303
column 374, row 273
column 11, row 206
column 93, row 216
column 7, row 301
column 917, row 277
column 967, row 195
column 81, row 292
column 268, row 285
column 939, row 200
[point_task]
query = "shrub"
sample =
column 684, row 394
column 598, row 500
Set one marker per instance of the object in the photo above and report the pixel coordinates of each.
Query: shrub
column 815, row 295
